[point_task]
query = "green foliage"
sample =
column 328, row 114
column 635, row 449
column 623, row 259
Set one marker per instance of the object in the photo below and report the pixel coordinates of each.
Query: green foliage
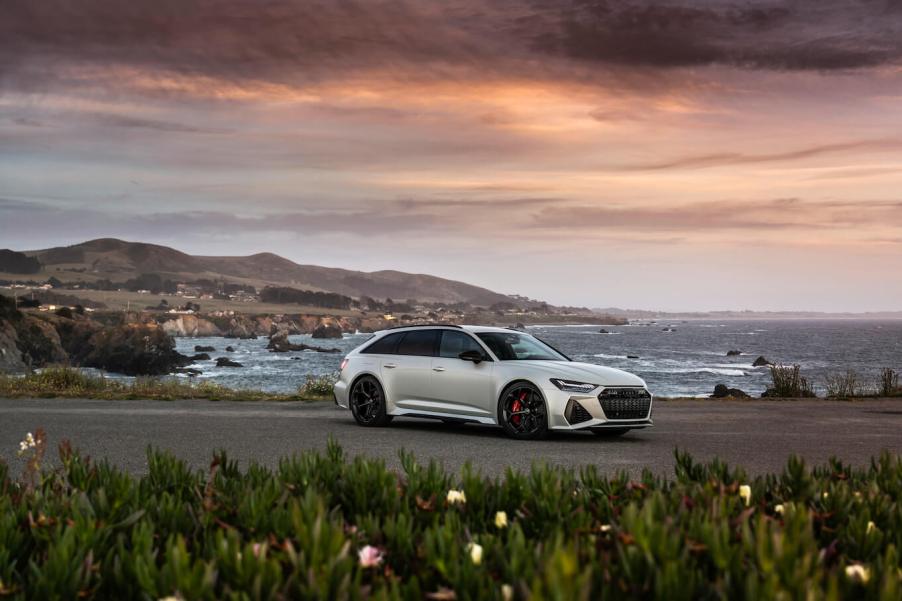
column 64, row 382
column 844, row 385
column 888, row 385
column 789, row 383
column 88, row 531
column 318, row 386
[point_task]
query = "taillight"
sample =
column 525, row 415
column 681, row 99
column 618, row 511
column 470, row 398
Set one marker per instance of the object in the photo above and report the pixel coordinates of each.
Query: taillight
column 344, row 363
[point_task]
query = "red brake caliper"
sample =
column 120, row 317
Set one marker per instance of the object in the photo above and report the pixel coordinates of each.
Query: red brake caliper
column 518, row 406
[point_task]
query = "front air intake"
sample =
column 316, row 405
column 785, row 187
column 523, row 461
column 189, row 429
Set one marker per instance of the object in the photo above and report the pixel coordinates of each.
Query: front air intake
column 576, row 413
column 625, row 403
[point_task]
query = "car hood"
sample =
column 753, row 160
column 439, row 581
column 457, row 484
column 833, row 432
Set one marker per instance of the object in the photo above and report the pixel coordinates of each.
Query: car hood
column 586, row 372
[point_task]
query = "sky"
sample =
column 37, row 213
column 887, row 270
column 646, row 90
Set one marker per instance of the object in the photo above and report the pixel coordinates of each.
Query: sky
column 685, row 155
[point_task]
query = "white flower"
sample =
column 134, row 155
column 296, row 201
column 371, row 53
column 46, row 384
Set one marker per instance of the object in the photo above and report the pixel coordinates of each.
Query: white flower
column 745, row 491
column 779, row 509
column 475, row 551
column 825, row 495
column 605, row 528
column 369, row 556
column 857, row 494
column 171, row 598
column 507, row 592
column 871, row 527
column 500, row 519
column 858, row 572
column 28, row 443
column 456, row 496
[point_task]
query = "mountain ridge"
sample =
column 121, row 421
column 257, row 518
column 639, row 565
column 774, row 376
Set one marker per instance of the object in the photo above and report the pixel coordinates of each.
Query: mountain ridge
column 116, row 259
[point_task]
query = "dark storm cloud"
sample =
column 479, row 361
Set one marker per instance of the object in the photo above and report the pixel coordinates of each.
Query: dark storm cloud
column 296, row 40
column 799, row 35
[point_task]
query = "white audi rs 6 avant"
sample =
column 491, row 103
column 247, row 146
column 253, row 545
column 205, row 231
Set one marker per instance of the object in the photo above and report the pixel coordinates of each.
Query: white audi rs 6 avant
column 488, row 376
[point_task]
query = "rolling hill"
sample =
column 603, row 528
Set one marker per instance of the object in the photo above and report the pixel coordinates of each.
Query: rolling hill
column 119, row 260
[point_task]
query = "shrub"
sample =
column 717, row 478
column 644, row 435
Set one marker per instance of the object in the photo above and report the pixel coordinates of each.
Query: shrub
column 789, row 383
column 888, row 384
column 844, row 385
column 66, row 382
column 318, row 386
column 323, row 526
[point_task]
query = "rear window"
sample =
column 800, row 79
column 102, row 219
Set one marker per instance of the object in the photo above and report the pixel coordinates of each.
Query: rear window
column 419, row 342
column 385, row 345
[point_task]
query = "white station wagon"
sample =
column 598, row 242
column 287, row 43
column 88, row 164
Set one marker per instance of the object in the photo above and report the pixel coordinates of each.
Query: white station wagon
column 487, row 375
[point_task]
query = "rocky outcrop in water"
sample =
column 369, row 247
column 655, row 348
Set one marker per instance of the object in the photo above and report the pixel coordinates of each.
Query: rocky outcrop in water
column 279, row 343
column 133, row 349
column 226, row 362
column 29, row 340
column 327, row 331
column 722, row 391
column 733, row 353
column 761, row 362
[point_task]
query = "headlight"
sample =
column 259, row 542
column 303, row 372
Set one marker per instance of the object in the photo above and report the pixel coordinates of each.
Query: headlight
column 571, row 386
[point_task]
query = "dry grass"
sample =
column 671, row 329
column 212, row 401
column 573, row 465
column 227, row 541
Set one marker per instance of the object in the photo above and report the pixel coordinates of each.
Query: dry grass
column 62, row 382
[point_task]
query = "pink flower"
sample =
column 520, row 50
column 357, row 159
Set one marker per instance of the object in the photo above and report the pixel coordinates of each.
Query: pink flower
column 258, row 549
column 370, row 556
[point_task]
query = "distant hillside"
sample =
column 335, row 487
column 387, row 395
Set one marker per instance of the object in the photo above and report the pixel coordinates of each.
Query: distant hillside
column 118, row 260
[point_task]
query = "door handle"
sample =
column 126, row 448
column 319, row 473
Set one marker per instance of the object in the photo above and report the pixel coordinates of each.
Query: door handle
column 438, row 369
column 389, row 366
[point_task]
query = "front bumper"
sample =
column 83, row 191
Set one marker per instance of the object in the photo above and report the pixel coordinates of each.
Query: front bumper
column 558, row 401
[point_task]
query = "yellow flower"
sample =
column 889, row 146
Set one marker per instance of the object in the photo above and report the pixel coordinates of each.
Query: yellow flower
column 779, row 509
column 745, row 491
column 456, row 496
column 825, row 495
column 871, row 527
column 475, row 551
column 857, row 494
column 858, row 573
column 507, row 592
column 500, row 519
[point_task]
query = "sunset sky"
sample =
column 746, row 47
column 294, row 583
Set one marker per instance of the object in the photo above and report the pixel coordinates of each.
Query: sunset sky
column 667, row 155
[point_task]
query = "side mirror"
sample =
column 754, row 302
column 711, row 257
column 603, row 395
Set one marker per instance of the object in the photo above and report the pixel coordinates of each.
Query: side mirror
column 474, row 356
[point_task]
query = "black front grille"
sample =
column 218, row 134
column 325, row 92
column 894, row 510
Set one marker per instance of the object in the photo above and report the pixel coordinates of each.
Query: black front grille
column 625, row 403
column 576, row 413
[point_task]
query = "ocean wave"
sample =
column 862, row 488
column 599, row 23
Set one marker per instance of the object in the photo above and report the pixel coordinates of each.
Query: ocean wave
column 695, row 370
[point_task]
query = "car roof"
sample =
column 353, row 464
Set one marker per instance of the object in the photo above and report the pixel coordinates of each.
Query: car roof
column 468, row 328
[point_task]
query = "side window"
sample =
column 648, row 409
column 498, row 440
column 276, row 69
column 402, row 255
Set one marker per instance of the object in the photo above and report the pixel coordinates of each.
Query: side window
column 385, row 345
column 419, row 342
column 454, row 343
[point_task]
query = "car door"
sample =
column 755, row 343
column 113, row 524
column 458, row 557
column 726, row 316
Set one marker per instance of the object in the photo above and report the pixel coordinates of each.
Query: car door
column 407, row 374
column 463, row 387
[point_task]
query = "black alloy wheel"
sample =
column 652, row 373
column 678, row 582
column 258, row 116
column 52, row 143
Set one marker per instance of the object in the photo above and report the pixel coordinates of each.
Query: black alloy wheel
column 522, row 412
column 368, row 402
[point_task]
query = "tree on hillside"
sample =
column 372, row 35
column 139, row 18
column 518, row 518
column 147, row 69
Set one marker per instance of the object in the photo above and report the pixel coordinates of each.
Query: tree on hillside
column 16, row 262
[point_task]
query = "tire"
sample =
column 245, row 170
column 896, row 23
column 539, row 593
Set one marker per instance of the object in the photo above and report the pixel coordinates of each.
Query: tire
column 367, row 403
column 610, row 432
column 522, row 412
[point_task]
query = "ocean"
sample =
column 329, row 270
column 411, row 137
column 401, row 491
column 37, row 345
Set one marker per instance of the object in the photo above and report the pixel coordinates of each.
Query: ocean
column 688, row 359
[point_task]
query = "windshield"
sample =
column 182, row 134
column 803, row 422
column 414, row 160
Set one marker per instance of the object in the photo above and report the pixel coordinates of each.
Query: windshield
column 519, row 347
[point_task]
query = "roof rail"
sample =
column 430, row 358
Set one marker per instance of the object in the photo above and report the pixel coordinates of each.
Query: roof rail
column 424, row 325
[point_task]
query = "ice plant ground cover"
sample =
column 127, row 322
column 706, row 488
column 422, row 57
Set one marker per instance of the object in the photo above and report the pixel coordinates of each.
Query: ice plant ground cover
column 324, row 526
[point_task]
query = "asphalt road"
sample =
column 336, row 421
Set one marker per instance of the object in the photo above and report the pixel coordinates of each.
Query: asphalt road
column 759, row 435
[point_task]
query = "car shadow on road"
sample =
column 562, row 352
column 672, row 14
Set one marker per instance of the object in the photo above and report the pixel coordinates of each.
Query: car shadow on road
column 485, row 431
